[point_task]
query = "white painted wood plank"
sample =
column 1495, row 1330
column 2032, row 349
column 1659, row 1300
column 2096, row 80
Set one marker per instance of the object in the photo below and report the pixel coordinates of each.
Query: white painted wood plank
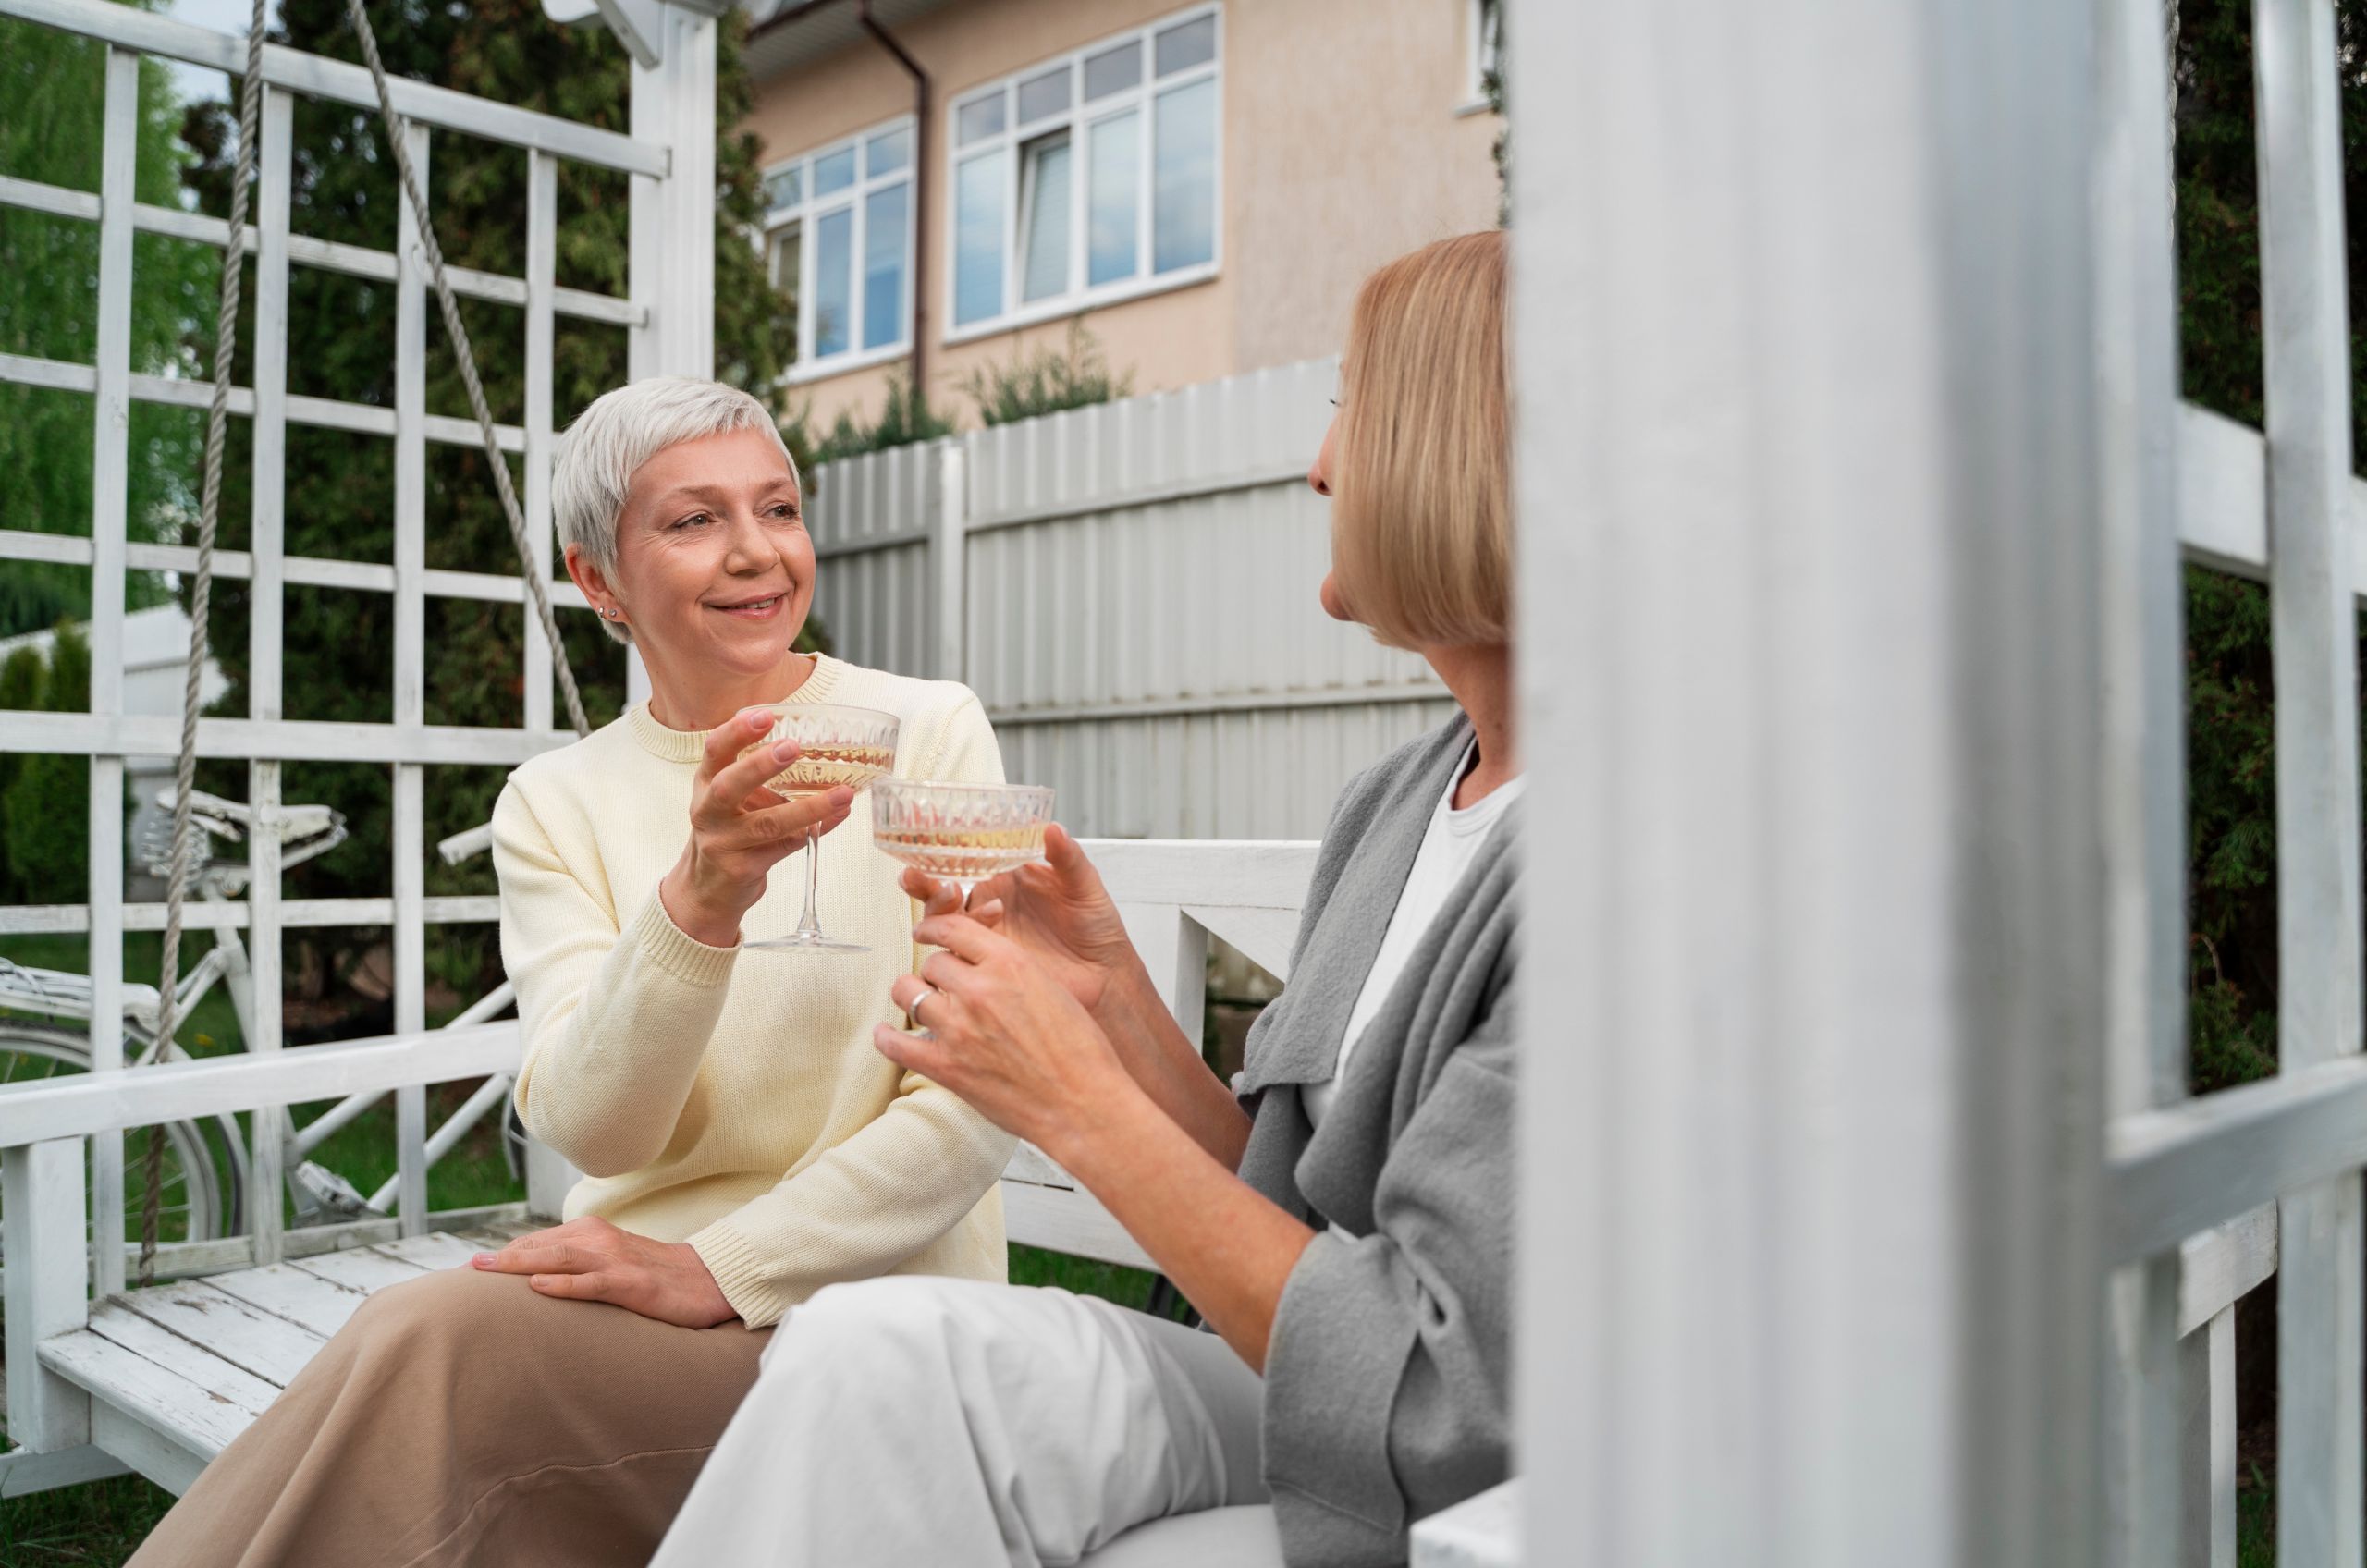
column 2173, row 1172
column 267, row 602
column 171, row 1464
column 1175, row 951
column 1073, row 1222
column 158, row 1396
column 326, row 256
column 2220, row 1266
column 2313, row 633
column 2222, row 492
column 215, row 1260
column 1478, row 1532
column 2207, row 1525
column 1264, row 936
column 286, row 1291
column 321, row 77
column 110, row 483
column 435, row 1249
column 362, row 1268
column 23, row 1471
column 542, row 253
column 1234, row 873
column 271, row 1348
column 85, row 1103
column 41, row 1230
column 307, row 571
column 294, row 913
column 410, row 849
column 2140, row 592
column 1029, row 1163
column 134, row 735
column 118, row 1323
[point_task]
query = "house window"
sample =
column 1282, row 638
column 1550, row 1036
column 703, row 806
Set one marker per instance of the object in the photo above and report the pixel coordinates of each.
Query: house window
column 839, row 245
column 1484, row 56
column 1087, row 179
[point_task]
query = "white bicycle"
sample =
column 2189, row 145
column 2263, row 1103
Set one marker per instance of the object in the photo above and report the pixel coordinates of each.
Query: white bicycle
column 45, row 1031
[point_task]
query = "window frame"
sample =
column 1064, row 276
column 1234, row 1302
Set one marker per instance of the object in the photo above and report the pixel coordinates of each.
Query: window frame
column 808, row 212
column 1476, row 52
column 1078, row 119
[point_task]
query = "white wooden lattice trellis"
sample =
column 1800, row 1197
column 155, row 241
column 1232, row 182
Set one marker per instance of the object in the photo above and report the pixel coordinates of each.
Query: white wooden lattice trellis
column 669, row 162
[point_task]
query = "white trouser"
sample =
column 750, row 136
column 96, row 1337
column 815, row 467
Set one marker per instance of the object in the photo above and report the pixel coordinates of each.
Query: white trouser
column 954, row 1423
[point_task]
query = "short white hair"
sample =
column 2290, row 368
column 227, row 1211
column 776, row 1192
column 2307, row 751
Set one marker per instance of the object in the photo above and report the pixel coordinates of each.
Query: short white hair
column 594, row 467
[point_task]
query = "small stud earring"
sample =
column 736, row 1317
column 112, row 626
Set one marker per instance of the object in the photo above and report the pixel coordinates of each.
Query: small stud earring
column 609, row 613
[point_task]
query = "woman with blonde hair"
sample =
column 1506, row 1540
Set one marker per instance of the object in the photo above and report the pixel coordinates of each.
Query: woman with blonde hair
column 1341, row 1218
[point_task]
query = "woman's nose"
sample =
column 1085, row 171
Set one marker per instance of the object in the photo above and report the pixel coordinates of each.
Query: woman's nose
column 1318, row 479
column 748, row 548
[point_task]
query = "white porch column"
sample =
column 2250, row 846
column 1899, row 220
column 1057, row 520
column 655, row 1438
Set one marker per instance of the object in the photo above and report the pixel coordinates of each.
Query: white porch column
column 1813, row 996
column 673, row 224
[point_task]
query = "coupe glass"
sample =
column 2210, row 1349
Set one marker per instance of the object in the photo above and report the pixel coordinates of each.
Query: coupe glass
column 965, row 833
column 836, row 746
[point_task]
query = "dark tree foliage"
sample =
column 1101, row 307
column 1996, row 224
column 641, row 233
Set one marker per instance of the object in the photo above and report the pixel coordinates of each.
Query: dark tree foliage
column 51, row 102
column 339, row 646
column 2231, row 779
column 44, row 815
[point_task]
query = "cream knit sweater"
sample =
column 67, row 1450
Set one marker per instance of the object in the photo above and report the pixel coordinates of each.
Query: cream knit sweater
column 727, row 1099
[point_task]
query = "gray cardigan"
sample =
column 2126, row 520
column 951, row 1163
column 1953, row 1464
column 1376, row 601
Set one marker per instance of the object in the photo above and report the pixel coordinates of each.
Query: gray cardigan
column 1385, row 1376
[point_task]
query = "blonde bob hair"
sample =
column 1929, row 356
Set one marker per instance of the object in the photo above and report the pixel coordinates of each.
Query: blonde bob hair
column 1421, row 514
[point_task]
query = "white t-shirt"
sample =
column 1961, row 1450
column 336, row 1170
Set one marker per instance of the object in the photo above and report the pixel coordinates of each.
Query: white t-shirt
column 1453, row 840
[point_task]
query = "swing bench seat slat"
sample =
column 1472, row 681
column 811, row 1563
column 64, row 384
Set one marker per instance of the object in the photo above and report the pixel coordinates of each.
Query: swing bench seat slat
column 194, row 1362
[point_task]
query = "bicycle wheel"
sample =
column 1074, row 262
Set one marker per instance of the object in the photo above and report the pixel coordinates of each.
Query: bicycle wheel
column 199, row 1201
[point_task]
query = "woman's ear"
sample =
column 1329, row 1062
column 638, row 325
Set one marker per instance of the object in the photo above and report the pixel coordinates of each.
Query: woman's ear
column 589, row 578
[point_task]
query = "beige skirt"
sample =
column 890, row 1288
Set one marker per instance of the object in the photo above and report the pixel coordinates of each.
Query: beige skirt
column 461, row 1418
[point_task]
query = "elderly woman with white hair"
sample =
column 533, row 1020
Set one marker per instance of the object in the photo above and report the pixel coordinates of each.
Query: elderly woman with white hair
column 743, row 1142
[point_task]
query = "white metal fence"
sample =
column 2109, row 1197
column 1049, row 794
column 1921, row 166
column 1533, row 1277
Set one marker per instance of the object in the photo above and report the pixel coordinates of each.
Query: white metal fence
column 1131, row 590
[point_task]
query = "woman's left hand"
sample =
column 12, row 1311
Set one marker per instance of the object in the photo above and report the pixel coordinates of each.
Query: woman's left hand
column 1008, row 1037
column 589, row 1259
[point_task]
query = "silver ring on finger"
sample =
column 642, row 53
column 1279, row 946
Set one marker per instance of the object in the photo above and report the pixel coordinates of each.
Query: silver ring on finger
column 914, row 1011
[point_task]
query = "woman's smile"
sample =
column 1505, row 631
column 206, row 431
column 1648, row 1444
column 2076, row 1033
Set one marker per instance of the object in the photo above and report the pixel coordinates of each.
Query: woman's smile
column 751, row 609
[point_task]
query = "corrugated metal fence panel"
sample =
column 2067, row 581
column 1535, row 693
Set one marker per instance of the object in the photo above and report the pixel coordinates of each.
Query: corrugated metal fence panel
column 874, row 599
column 1211, row 434
column 1261, row 774
column 1141, row 618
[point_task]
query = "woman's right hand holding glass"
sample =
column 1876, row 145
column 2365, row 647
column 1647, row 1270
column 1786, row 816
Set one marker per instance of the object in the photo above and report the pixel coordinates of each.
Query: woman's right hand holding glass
column 1058, row 910
column 739, row 830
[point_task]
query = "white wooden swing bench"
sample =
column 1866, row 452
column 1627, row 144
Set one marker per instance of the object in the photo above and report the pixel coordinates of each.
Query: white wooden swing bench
column 159, row 1381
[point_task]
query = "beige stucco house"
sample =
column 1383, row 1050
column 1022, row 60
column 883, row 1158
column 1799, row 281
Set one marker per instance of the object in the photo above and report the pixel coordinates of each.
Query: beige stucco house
column 1201, row 182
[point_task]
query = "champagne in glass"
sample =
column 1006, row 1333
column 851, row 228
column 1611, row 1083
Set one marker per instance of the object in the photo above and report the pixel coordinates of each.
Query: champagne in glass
column 964, row 833
column 836, row 746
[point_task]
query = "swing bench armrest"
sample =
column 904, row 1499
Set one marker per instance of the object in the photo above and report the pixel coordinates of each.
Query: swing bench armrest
column 109, row 1102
